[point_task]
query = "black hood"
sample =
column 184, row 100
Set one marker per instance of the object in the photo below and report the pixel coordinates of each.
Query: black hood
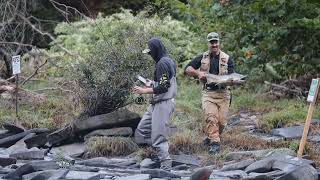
column 157, row 49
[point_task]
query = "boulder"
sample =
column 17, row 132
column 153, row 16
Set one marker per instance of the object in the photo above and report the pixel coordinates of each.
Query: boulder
column 13, row 128
column 292, row 132
column 36, row 141
column 11, row 140
column 122, row 131
column 237, row 166
column 118, row 118
column 78, row 175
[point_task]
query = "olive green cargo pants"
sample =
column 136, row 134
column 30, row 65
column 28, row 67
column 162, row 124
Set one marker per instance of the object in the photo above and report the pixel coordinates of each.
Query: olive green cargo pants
column 215, row 105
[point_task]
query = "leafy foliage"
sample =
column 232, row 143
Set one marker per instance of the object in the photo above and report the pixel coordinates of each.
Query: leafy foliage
column 279, row 37
column 109, row 55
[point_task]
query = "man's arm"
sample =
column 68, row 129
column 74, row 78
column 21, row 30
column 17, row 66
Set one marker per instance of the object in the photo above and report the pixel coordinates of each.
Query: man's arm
column 192, row 66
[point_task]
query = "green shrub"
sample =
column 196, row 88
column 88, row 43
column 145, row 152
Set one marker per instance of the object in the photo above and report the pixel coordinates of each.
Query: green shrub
column 111, row 49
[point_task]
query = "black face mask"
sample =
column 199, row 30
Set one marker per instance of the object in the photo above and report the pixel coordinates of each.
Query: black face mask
column 157, row 49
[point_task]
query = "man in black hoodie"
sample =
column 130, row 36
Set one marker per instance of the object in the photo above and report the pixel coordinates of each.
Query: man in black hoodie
column 153, row 127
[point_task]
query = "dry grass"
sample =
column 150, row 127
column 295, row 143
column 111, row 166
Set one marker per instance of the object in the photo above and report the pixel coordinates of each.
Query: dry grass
column 110, row 146
column 146, row 152
column 236, row 140
column 187, row 142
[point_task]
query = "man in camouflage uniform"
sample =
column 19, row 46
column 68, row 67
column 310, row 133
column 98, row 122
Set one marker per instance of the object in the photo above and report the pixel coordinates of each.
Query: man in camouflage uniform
column 215, row 98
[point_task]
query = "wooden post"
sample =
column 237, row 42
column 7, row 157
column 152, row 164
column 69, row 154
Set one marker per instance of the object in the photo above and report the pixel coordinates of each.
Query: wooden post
column 16, row 69
column 17, row 97
column 312, row 99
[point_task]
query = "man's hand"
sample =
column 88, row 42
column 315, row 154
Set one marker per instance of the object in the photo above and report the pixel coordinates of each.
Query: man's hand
column 142, row 90
column 202, row 75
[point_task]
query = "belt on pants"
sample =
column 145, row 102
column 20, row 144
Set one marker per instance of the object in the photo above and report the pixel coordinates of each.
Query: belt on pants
column 214, row 87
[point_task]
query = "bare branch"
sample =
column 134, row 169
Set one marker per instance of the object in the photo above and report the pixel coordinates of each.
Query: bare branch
column 47, row 34
column 34, row 73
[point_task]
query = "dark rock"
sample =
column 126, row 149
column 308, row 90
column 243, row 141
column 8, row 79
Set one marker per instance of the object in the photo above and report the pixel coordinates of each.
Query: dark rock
column 306, row 172
column 159, row 173
column 20, row 145
column 240, row 155
column 201, row 174
column 83, row 168
column 28, row 155
column 5, row 171
column 135, row 177
column 127, row 163
column 72, row 150
column 61, row 136
column 13, row 128
column 118, row 118
column 287, row 163
column 36, row 141
column 43, row 165
column 40, row 130
column 185, row 159
column 5, row 133
column 181, row 167
column 237, row 174
column 148, row 163
column 261, row 166
column 11, row 140
column 237, row 166
column 289, row 132
column 78, row 175
column 265, row 176
column 102, row 162
column 19, row 172
column 6, row 161
column 122, row 131
column 48, row 174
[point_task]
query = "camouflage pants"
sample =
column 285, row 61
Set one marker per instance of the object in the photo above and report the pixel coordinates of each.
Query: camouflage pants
column 215, row 105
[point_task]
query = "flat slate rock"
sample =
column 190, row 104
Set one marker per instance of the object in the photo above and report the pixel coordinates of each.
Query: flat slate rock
column 19, row 172
column 135, row 177
column 47, row 174
column 118, row 118
column 28, row 155
column 11, row 140
column 292, row 132
column 6, row 161
column 72, row 150
column 159, row 173
column 78, row 175
column 122, row 131
column 238, row 165
column 36, row 141
column 13, row 128
column 185, row 159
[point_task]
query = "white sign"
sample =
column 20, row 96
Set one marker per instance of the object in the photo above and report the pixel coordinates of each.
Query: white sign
column 313, row 90
column 16, row 65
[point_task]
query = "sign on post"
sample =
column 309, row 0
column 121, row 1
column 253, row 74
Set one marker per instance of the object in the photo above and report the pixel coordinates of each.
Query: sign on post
column 16, row 65
column 16, row 70
column 312, row 98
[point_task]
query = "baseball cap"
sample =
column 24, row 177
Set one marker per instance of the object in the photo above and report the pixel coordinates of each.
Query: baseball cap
column 213, row 36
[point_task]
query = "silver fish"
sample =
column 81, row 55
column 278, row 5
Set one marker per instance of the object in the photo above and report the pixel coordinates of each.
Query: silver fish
column 220, row 79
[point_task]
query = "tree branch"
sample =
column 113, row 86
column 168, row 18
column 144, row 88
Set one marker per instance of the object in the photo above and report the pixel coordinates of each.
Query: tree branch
column 34, row 73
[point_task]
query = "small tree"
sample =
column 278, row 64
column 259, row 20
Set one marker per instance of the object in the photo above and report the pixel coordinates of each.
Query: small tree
column 112, row 50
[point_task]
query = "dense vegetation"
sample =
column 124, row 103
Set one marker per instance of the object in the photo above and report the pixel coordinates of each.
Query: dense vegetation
column 94, row 58
column 274, row 40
